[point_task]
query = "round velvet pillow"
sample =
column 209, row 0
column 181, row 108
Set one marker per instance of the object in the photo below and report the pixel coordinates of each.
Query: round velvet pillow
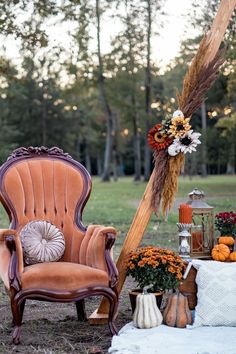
column 42, row 242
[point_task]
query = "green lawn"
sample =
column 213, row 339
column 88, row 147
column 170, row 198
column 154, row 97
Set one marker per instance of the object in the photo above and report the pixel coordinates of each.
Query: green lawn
column 115, row 204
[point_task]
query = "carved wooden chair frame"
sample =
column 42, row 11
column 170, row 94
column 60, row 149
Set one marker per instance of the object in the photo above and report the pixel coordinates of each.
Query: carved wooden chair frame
column 17, row 295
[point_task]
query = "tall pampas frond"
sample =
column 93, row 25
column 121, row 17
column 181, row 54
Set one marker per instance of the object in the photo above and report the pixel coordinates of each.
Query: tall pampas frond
column 170, row 188
column 160, row 170
column 197, row 81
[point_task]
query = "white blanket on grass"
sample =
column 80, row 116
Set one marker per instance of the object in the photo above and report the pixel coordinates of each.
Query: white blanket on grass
column 168, row 340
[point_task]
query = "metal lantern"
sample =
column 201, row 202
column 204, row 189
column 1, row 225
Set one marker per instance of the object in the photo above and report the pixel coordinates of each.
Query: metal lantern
column 202, row 230
column 184, row 237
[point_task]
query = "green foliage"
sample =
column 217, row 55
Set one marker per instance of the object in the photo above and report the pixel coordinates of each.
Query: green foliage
column 52, row 97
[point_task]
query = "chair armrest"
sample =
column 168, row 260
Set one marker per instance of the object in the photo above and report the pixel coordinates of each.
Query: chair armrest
column 12, row 240
column 95, row 250
column 6, row 232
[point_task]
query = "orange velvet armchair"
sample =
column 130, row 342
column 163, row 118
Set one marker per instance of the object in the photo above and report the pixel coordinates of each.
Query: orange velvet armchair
column 39, row 183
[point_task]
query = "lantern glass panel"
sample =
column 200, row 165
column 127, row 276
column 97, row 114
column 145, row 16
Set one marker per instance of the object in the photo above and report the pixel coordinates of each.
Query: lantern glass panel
column 202, row 233
column 197, row 239
column 203, row 225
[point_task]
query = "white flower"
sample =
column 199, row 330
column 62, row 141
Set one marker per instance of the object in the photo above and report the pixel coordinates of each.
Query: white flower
column 178, row 113
column 172, row 151
column 187, row 143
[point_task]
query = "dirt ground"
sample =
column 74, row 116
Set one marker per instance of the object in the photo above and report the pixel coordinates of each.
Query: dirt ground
column 52, row 328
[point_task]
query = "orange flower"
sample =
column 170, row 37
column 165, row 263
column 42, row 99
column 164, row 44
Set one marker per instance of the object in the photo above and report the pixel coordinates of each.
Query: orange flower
column 171, row 269
column 155, row 265
column 157, row 139
column 131, row 266
column 141, row 263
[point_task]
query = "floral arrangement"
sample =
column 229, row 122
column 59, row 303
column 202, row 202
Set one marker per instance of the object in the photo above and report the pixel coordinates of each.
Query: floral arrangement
column 175, row 135
column 225, row 223
column 173, row 138
column 158, row 266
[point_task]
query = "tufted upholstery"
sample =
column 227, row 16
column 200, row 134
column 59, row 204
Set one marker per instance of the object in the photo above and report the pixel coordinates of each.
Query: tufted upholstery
column 47, row 189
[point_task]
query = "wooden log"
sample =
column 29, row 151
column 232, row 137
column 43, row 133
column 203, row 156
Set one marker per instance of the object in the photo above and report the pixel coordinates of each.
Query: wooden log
column 132, row 240
column 216, row 34
column 144, row 211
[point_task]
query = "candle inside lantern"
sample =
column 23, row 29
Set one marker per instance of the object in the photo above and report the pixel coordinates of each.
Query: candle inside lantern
column 185, row 214
column 197, row 238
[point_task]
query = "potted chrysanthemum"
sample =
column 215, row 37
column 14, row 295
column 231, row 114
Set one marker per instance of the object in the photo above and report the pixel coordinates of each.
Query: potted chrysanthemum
column 225, row 223
column 157, row 266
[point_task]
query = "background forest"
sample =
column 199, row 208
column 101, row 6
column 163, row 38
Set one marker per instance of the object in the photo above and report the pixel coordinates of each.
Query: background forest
column 99, row 107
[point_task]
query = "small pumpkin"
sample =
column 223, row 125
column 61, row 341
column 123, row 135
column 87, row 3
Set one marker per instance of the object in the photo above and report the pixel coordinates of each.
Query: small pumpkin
column 226, row 240
column 146, row 314
column 220, row 252
column 177, row 313
column 232, row 256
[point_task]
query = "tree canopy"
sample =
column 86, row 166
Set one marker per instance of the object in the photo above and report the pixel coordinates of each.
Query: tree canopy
column 99, row 106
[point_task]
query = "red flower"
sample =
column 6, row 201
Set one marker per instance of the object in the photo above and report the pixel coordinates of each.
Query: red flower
column 157, row 139
column 226, row 223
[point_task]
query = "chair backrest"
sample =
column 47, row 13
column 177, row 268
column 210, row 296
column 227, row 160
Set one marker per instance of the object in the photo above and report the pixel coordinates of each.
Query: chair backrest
column 39, row 183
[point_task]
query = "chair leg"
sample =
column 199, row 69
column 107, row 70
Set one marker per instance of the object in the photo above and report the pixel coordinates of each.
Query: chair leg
column 17, row 312
column 112, row 314
column 80, row 308
column 22, row 307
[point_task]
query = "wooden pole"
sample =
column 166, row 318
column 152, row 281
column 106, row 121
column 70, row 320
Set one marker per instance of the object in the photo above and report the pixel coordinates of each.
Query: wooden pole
column 132, row 240
column 216, row 34
column 144, row 211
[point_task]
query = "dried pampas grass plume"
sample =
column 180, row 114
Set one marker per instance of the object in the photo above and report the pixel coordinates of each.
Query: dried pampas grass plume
column 160, row 171
column 198, row 79
column 170, row 188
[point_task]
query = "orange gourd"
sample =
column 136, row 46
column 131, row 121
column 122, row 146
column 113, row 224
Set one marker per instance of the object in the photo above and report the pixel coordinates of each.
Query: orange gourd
column 226, row 240
column 220, row 252
column 177, row 313
column 232, row 256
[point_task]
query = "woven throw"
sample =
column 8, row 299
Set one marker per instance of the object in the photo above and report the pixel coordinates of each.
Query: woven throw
column 216, row 282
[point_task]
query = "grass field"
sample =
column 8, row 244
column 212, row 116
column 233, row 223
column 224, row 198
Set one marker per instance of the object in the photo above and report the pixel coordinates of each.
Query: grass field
column 115, row 203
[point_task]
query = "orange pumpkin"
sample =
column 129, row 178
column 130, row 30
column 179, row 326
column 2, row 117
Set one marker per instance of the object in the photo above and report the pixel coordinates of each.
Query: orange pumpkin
column 220, row 252
column 226, row 240
column 232, row 256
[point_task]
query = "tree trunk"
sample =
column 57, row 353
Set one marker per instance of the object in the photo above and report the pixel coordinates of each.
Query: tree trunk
column 77, row 142
column 136, row 133
column 99, row 165
column 87, row 157
column 147, row 152
column 137, row 157
column 230, row 170
column 103, row 98
column 44, row 123
column 203, row 146
column 137, row 147
column 114, row 149
column 114, row 164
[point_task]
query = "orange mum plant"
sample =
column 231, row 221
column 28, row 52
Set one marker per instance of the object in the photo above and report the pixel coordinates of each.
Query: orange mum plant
column 158, row 266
